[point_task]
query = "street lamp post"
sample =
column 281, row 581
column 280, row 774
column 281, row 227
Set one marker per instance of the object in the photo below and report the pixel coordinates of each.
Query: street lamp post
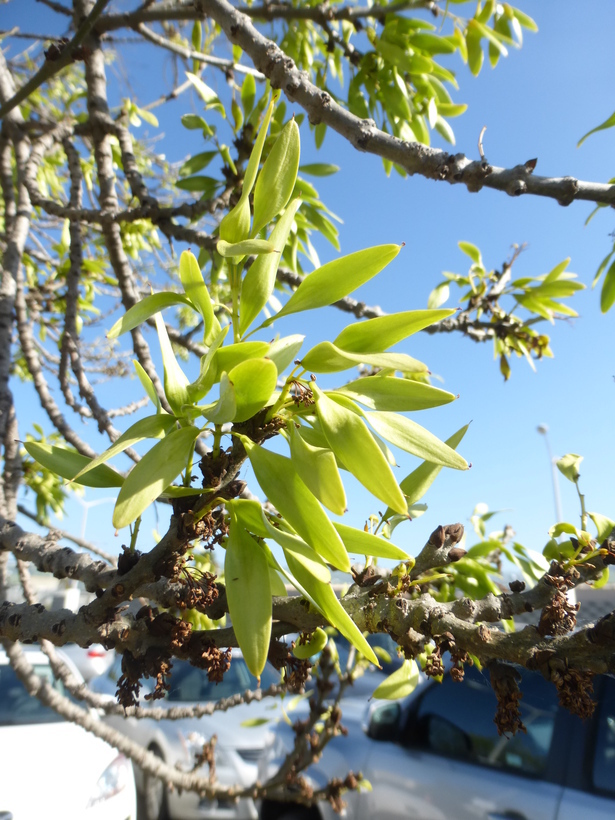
column 543, row 430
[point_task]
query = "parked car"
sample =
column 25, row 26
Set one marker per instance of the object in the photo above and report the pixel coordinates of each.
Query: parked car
column 91, row 661
column 238, row 747
column 438, row 756
column 51, row 767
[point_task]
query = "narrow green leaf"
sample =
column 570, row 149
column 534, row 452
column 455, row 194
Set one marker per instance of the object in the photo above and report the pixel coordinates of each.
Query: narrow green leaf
column 196, row 290
column 153, row 474
column 207, row 94
column 148, row 384
column 608, row 123
column 259, row 281
column 439, row 295
column 352, row 442
column 377, row 335
column 336, row 279
column 416, row 484
column 411, row 437
column 144, row 310
column 250, row 513
column 252, row 722
column 472, row 251
column 248, row 93
column 244, row 248
column 248, row 591
column 325, row 357
column 208, row 371
column 391, row 393
column 67, row 464
column 319, row 169
column 318, row 469
column 400, row 683
column 607, row 295
column 279, row 479
column 150, row 427
column 301, row 552
column 276, row 181
column 175, row 380
column 197, row 163
column 326, row 601
column 253, row 381
column 364, row 543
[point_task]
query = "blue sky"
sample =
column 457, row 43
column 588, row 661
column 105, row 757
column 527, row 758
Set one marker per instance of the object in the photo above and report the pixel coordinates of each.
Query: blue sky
column 536, row 103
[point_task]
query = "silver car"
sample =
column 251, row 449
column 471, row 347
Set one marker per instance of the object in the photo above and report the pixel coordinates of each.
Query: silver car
column 438, row 756
column 238, row 748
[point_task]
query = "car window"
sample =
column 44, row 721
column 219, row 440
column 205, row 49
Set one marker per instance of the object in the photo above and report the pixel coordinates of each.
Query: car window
column 17, row 707
column 191, row 684
column 603, row 772
column 456, row 720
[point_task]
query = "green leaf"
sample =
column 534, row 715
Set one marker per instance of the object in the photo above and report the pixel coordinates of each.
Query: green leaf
column 175, row 380
column 364, row 543
column 391, row 393
column 319, row 169
column 603, row 580
column 250, row 514
column 248, row 93
column 193, row 121
column 472, row 251
column 228, row 357
column 301, row 552
column 604, row 526
column 557, row 529
column 196, row 290
column 608, row 123
column 400, row 683
column 317, row 468
column 153, row 474
column 148, row 384
column 203, row 184
column 223, row 410
column 208, row 371
column 568, row 466
column 411, row 437
column 150, row 427
column 245, row 247
column 144, row 310
column 276, row 181
column 252, row 722
column 377, row 335
column 439, row 295
column 259, row 281
column 253, row 381
column 207, row 94
column 67, row 465
column 248, row 591
column 279, row 479
column 317, row 642
column 337, row 279
column 235, row 226
column 351, row 441
column 325, row 599
column 284, row 351
column 607, row 296
column 416, row 484
column 325, row 357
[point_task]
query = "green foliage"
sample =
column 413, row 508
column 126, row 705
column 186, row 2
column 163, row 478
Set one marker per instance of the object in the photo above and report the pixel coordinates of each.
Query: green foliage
column 491, row 298
column 240, row 382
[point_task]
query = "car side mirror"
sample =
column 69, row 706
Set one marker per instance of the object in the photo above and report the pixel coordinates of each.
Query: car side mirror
column 383, row 723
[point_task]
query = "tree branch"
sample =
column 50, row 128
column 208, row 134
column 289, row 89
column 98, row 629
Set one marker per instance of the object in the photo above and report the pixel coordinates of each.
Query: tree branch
column 414, row 157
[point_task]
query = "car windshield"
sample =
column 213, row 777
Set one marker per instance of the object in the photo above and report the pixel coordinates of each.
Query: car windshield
column 191, row 684
column 17, row 707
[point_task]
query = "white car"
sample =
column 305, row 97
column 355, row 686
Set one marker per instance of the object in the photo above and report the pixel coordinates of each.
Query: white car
column 51, row 767
column 91, row 661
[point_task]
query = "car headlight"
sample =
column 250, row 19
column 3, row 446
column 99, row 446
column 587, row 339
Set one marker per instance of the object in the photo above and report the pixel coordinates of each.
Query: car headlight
column 112, row 781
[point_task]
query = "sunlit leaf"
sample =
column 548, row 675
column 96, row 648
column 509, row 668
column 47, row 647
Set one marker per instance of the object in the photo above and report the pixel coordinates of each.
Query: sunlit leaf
column 400, row 683
column 144, row 310
column 67, row 464
column 156, row 470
